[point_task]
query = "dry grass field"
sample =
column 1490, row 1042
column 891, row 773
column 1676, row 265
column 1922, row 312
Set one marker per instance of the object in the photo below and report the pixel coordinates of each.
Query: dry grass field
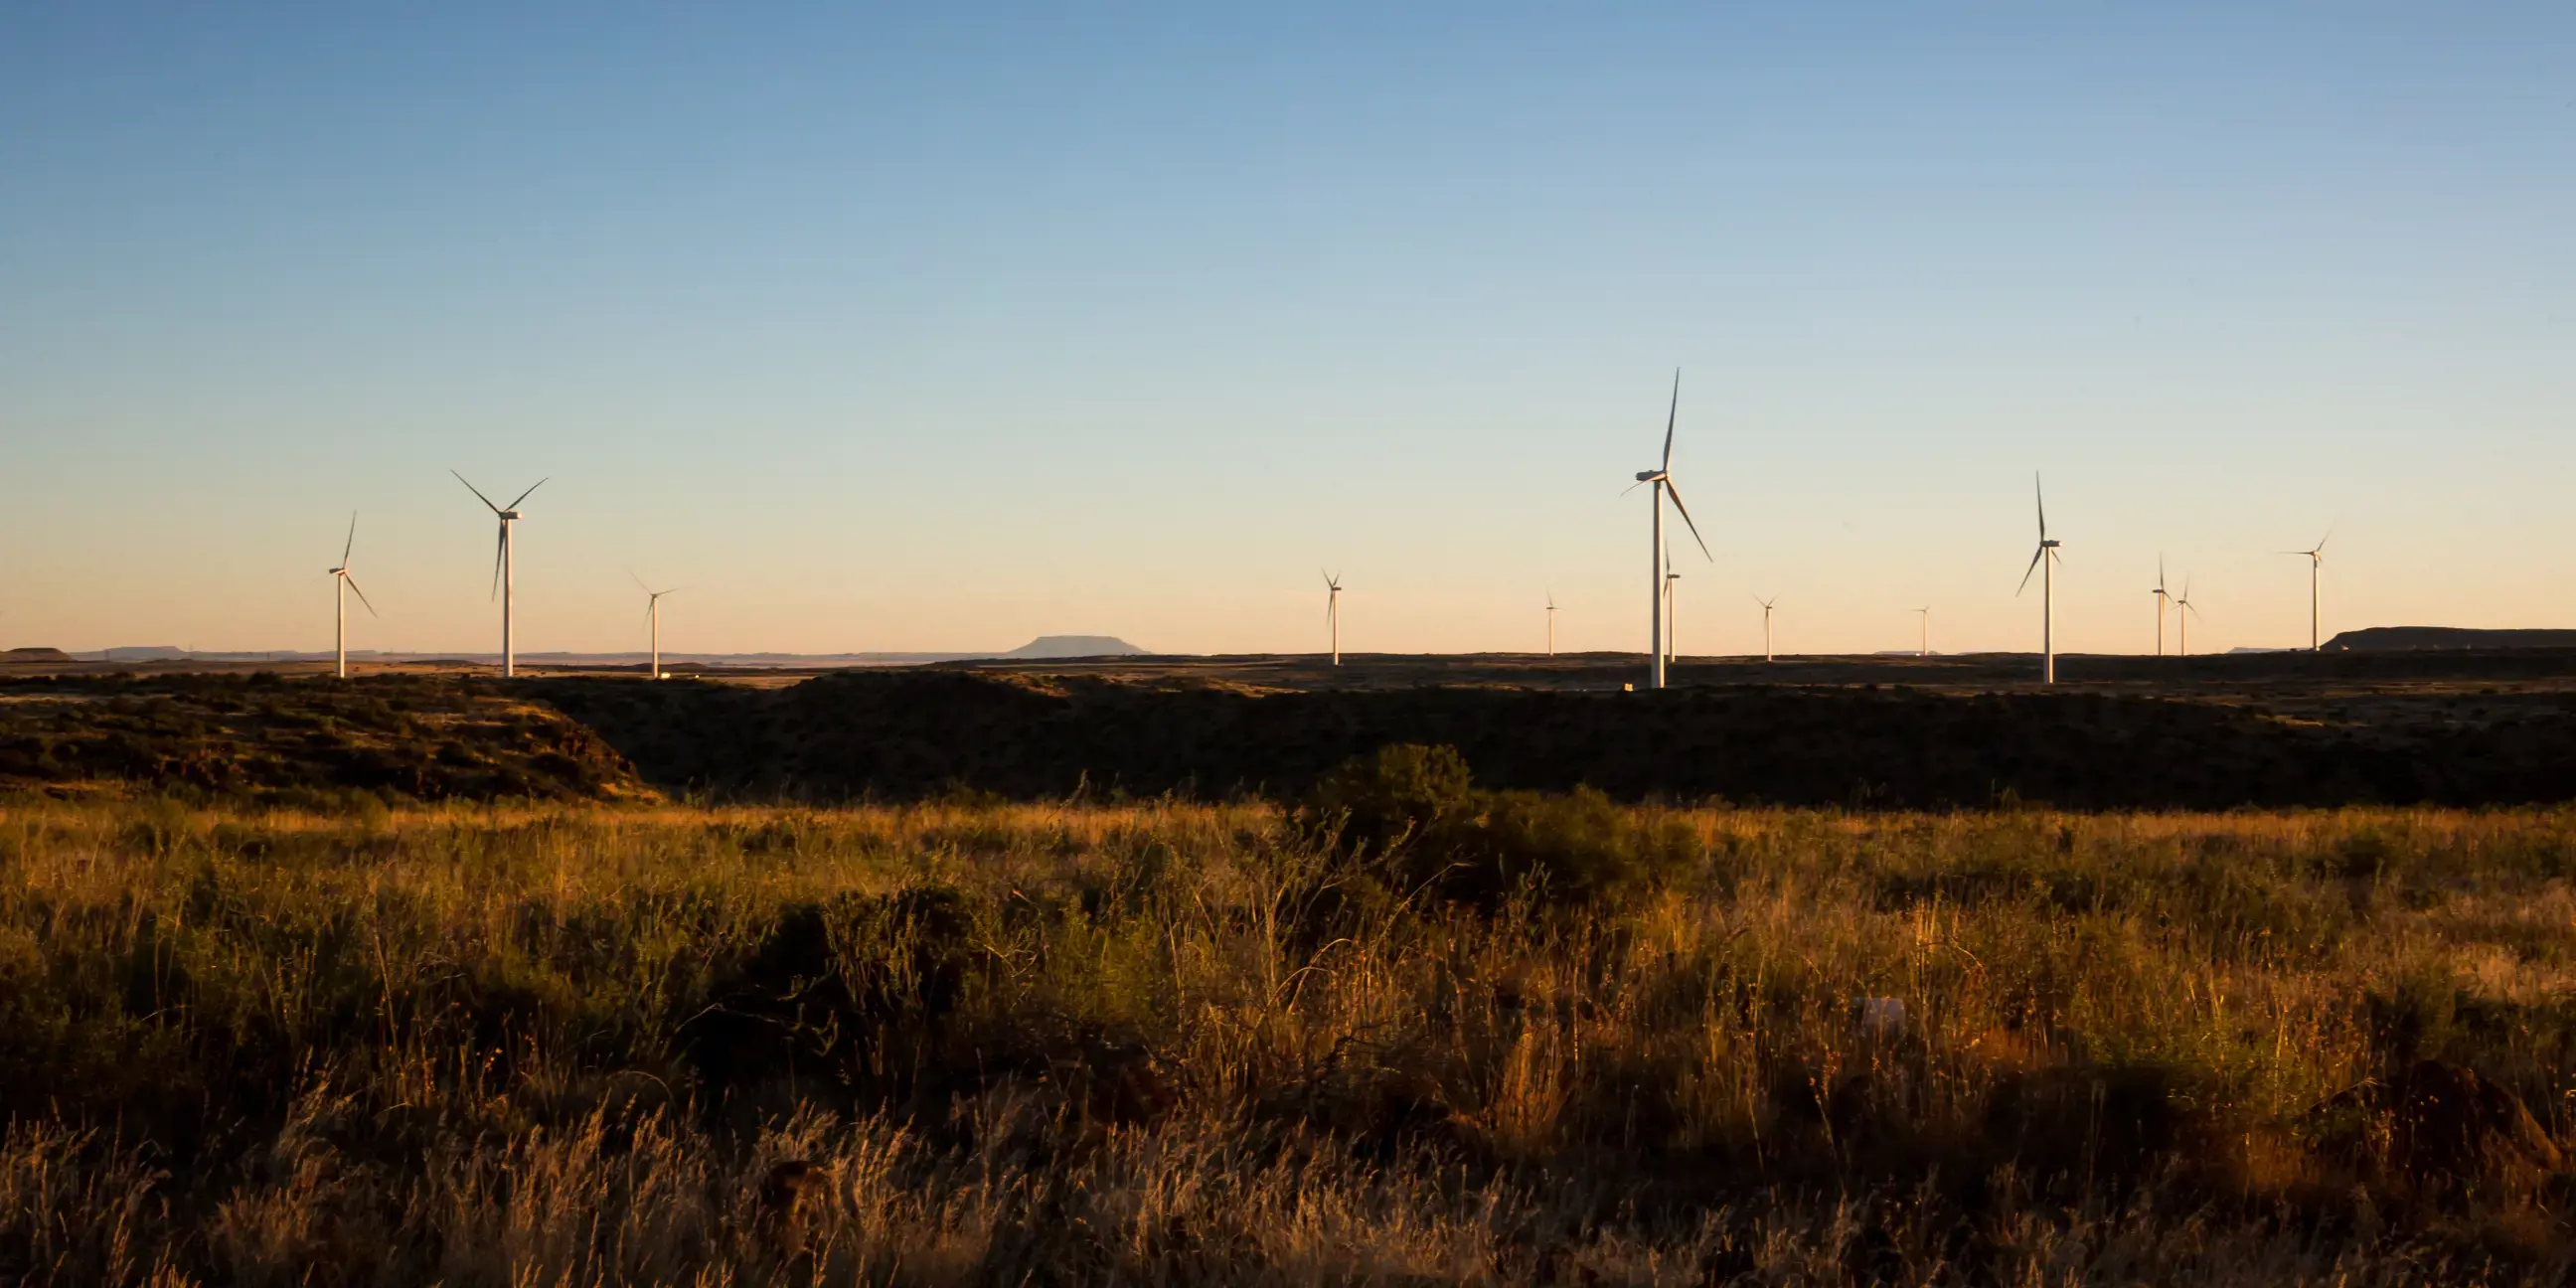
column 977, row 1042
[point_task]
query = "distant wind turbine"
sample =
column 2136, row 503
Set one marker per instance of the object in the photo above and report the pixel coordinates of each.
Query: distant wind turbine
column 504, row 573
column 2183, row 613
column 1662, row 478
column 653, row 621
column 1551, row 623
column 1925, row 648
column 2046, row 554
column 2161, row 597
column 342, row 582
column 1766, row 623
column 2316, row 555
column 1333, row 612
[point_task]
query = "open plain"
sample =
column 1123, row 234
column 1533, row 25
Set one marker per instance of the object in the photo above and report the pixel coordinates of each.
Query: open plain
column 965, row 975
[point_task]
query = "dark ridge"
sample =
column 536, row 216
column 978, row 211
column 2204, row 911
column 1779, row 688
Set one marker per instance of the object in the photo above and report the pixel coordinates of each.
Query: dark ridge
column 921, row 734
column 2410, row 639
column 263, row 738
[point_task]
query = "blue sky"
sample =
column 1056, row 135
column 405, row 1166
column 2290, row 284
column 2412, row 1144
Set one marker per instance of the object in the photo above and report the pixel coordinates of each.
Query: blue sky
column 887, row 330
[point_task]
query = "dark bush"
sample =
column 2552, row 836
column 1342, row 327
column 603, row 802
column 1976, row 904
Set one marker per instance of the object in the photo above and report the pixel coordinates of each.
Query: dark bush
column 1378, row 803
column 1412, row 815
column 1576, row 847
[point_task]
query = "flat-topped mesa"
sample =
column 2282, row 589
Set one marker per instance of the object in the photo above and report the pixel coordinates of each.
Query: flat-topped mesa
column 1053, row 646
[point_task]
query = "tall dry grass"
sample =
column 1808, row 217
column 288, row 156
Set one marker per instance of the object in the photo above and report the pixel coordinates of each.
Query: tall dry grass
column 1180, row 1043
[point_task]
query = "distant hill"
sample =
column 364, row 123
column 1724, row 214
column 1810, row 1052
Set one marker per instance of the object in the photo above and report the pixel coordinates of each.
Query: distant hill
column 35, row 655
column 1076, row 646
column 144, row 653
column 2416, row 639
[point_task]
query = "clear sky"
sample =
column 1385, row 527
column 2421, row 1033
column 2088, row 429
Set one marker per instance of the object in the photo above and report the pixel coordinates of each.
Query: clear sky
column 947, row 327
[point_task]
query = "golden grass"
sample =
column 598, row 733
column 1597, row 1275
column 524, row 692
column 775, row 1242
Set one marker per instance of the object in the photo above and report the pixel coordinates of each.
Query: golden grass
column 1148, row 1043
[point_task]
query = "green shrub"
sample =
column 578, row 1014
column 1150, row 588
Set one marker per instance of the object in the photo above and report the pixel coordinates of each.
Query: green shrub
column 1413, row 815
column 1377, row 804
column 1572, row 848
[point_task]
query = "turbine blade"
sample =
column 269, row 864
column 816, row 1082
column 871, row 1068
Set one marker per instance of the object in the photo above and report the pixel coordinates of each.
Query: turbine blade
column 531, row 488
column 362, row 595
column 1676, row 494
column 500, row 544
column 352, row 542
column 2160, row 574
column 478, row 492
column 638, row 579
column 2040, row 496
column 2035, row 557
column 1669, row 414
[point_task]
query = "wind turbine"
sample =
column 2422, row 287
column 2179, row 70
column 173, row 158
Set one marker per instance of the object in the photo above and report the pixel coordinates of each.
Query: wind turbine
column 2047, row 554
column 342, row 582
column 1333, row 612
column 2161, row 597
column 504, row 575
column 1662, row 478
column 1551, row 623
column 2316, row 567
column 1766, row 623
column 653, row 620
column 1925, row 649
column 2183, row 613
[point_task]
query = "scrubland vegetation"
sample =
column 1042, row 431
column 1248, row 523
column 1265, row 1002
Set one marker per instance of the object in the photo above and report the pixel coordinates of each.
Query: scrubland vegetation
column 1401, row 1032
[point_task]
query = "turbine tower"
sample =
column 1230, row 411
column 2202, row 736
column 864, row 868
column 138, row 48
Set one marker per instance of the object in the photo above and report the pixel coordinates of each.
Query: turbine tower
column 2046, row 554
column 2161, row 597
column 342, row 582
column 1766, row 623
column 504, row 575
column 1662, row 478
column 1333, row 612
column 1672, row 620
column 653, row 622
column 2183, row 613
column 1551, row 623
column 1924, row 649
column 2316, row 566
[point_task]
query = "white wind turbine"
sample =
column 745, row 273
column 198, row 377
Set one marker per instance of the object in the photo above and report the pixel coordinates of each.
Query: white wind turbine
column 1766, row 623
column 1551, row 623
column 2046, row 554
column 1924, row 649
column 653, row 622
column 504, row 574
column 1662, row 478
column 1333, row 612
column 2161, row 597
column 342, row 582
column 2316, row 555
column 2183, row 613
